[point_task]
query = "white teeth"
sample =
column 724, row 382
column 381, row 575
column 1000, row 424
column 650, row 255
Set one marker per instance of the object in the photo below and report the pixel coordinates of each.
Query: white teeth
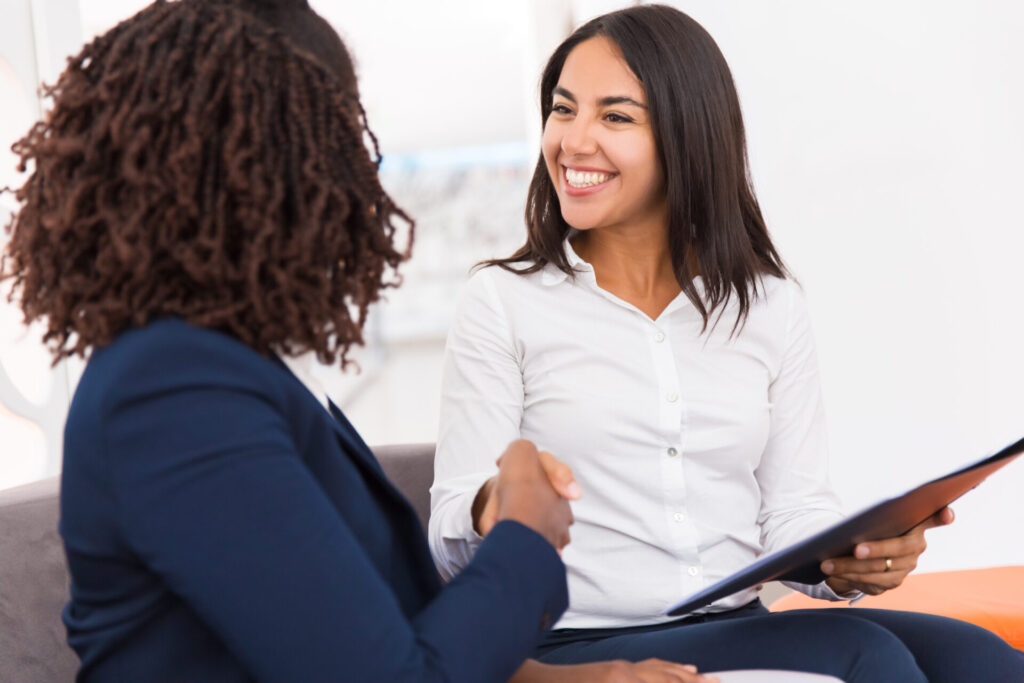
column 585, row 178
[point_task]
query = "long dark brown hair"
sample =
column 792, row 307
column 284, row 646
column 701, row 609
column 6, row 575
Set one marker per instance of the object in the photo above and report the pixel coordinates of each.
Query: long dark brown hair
column 698, row 131
column 205, row 159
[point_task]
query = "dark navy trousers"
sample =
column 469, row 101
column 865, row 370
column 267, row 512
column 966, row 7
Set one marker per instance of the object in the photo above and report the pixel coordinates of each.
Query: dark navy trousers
column 855, row 645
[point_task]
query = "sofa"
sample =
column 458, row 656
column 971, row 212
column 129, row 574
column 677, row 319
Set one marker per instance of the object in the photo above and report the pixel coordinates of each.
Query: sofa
column 34, row 578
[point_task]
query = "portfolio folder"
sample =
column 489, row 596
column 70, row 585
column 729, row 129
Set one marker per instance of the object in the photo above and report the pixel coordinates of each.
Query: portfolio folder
column 893, row 517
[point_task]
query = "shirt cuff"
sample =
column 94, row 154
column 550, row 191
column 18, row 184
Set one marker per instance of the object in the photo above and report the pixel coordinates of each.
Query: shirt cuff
column 456, row 539
column 822, row 591
column 828, row 594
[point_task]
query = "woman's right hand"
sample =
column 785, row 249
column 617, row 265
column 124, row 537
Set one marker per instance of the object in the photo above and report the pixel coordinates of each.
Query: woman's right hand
column 617, row 671
column 647, row 671
column 525, row 491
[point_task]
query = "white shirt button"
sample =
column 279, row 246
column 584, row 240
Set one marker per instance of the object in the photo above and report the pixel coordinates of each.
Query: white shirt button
column 692, row 571
column 679, row 517
column 672, row 452
column 671, row 397
column 660, row 337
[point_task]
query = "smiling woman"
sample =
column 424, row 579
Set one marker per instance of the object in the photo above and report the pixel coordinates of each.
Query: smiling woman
column 698, row 446
column 662, row 104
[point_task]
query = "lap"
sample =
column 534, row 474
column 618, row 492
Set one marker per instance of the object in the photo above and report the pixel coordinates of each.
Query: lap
column 851, row 644
column 850, row 649
column 945, row 649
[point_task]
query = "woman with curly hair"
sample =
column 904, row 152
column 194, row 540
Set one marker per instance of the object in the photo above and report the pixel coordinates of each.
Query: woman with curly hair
column 201, row 209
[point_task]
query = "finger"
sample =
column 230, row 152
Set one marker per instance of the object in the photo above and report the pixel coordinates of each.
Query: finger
column 911, row 544
column 560, row 475
column 520, row 461
column 563, row 541
column 941, row 518
column 671, row 671
column 842, row 566
column 666, row 665
column 566, row 537
column 884, row 579
column 874, row 584
column 518, row 449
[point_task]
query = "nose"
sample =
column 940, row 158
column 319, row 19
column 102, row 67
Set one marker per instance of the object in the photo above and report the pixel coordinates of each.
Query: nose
column 578, row 139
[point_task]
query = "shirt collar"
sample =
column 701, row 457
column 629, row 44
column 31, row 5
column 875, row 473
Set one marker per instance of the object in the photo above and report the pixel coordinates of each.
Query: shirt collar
column 302, row 367
column 553, row 275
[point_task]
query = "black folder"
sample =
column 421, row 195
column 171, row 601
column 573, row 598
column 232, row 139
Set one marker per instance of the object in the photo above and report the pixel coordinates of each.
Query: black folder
column 801, row 562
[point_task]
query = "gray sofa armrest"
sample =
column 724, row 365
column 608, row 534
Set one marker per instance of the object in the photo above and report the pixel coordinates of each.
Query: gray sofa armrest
column 410, row 467
column 33, row 587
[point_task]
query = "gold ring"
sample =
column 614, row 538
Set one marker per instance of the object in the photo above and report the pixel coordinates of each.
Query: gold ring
column 888, row 565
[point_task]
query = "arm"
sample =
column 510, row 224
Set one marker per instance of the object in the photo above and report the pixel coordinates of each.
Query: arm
column 797, row 499
column 481, row 408
column 215, row 500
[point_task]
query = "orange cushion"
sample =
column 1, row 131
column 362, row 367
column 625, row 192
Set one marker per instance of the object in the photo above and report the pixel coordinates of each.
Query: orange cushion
column 991, row 598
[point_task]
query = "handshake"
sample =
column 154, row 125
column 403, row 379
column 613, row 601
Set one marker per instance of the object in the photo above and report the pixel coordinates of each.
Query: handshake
column 532, row 488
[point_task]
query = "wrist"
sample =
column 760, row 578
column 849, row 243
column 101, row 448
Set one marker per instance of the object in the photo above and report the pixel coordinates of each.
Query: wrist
column 480, row 502
column 841, row 587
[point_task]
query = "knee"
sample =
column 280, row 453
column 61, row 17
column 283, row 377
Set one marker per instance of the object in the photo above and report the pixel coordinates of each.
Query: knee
column 859, row 651
column 969, row 652
column 877, row 654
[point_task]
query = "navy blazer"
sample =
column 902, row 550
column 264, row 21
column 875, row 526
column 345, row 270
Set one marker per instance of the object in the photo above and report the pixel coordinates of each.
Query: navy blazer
column 220, row 525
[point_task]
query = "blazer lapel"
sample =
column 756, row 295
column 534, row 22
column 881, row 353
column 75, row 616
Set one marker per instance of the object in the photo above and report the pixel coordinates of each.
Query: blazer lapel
column 354, row 444
column 426, row 578
column 350, row 438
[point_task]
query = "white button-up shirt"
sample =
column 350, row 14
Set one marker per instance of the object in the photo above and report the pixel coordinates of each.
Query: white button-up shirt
column 696, row 452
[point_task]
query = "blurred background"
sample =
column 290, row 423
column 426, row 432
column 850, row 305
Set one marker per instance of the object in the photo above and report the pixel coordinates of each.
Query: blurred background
column 886, row 147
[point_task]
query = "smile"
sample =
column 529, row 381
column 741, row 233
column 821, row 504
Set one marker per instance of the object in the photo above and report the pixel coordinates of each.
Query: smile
column 580, row 182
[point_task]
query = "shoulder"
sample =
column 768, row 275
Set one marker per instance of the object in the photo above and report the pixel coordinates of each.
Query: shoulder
column 778, row 301
column 167, row 390
column 779, row 291
column 170, row 346
column 500, row 291
column 781, row 321
column 777, row 314
column 495, row 280
column 168, row 354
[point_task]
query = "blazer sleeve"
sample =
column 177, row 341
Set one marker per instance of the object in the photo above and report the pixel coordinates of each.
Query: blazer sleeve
column 214, row 498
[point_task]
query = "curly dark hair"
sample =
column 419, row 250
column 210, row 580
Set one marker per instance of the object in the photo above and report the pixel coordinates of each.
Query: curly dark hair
column 205, row 159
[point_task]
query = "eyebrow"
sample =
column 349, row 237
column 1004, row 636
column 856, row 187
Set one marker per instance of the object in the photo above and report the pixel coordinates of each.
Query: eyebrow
column 604, row 101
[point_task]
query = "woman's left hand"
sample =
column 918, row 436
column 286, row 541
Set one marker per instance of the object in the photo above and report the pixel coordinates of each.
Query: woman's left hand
column 877, row 566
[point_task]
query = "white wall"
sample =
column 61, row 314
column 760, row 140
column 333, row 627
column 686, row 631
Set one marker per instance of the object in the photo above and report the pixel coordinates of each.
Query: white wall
column 887, row 147
column 35, row 38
